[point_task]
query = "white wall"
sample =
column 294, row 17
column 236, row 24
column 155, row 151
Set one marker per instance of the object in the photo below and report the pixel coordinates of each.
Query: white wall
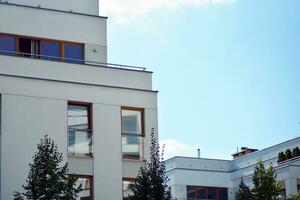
column 33, row 107
column 26, row 120
column 81, row 6
column 52, row 25
column 75, row 72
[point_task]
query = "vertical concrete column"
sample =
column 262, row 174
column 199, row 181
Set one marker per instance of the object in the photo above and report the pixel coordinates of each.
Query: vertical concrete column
column 290, row 186
column 179, row 192
column 231, row 193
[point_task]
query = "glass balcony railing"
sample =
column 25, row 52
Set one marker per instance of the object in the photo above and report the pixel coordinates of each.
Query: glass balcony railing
column 80, row 143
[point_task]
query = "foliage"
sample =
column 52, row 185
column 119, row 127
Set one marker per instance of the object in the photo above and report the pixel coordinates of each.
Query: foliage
column 295, row 197
column 244, row 193
column 265, row 185
column 47, row 180
column 296, row 152
column 151, row 182
column 288, row 154
column 281, row 157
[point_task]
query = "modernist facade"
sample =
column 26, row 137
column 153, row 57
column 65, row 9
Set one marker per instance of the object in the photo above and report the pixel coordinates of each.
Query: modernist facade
column 55, row 80
column 201, row 178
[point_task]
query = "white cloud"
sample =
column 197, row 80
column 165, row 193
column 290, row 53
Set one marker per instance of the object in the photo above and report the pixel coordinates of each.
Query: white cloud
column 125, row 10
column 176, row 148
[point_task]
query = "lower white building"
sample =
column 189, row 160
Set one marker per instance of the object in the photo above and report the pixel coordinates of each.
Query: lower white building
column 202, row 178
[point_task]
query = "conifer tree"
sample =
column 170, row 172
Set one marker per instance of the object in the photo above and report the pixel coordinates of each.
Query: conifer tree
column 151, row 182
column 244, row 193
column 266, row 186
column 47, row 178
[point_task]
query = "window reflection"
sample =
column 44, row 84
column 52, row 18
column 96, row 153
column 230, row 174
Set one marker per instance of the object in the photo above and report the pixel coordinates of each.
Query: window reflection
column 79, row 130
column 132, row 133
column 7, row 45
column 86, row 186
column 127, row 186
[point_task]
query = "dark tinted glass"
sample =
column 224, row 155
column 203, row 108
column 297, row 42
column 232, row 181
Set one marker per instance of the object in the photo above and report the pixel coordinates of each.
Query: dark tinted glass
column 223, row 194
column 73, row 53
column 50, row 50
column 7, row 45
column 212, row 194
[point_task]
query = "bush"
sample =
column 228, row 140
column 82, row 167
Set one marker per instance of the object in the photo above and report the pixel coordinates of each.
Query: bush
column 281, row 157
column 296, row 152
column 288, row 154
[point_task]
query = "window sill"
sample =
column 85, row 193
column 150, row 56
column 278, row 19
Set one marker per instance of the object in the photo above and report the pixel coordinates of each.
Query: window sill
column 133, row 160
column 80, row 156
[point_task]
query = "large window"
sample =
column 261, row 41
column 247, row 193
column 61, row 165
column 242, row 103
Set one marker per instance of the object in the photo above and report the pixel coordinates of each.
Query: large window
column 127, row 186
column 7, row 45
column 50, row 50
column 73, row 52
column 79, row 129
column 133, row 133
column 86, row 183
column 213, row 193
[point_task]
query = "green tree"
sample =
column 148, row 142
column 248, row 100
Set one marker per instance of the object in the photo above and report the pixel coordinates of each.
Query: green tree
column 266, row 186
column 151, row 182
column 244, row 193
column 47, row 178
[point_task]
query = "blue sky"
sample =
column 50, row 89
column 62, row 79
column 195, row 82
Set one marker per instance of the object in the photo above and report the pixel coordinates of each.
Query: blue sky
column 227, row 71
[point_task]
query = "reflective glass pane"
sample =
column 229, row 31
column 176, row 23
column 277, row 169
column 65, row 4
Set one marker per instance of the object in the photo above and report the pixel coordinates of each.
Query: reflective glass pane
column 50, row 50
column 201, row 194
column 132, row 146
column 79, row 136
column 127, row 186
column 80, row 143
column 7, row 45
column 131, row 122
column 212, row 194
column 223, row 194
column 78, row 117
column 85, row 183
column 73, row 53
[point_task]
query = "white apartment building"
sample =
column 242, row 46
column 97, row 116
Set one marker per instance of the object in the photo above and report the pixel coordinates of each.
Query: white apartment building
column 55, row 80
column 202, row 178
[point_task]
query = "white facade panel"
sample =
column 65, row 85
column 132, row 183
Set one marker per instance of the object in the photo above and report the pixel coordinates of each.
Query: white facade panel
column 107, row 139
column 26, row 121
column 75, row 72
column 47, row 24
column 80, row 6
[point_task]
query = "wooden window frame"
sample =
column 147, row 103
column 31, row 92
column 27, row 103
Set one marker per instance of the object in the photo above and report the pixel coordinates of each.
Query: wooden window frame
column 90, row 122
column 91, row 178
column 142, row 135
column 61, row 43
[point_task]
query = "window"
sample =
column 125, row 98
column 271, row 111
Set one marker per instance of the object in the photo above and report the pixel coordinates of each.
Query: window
column 127, row 186
column 132, row 133
column 86, row 183
column 79, row 130
column 73, row 52
column 7, row 45
column 50, row 50
column 213, row 193
column 41, row 48
column 29, row 47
